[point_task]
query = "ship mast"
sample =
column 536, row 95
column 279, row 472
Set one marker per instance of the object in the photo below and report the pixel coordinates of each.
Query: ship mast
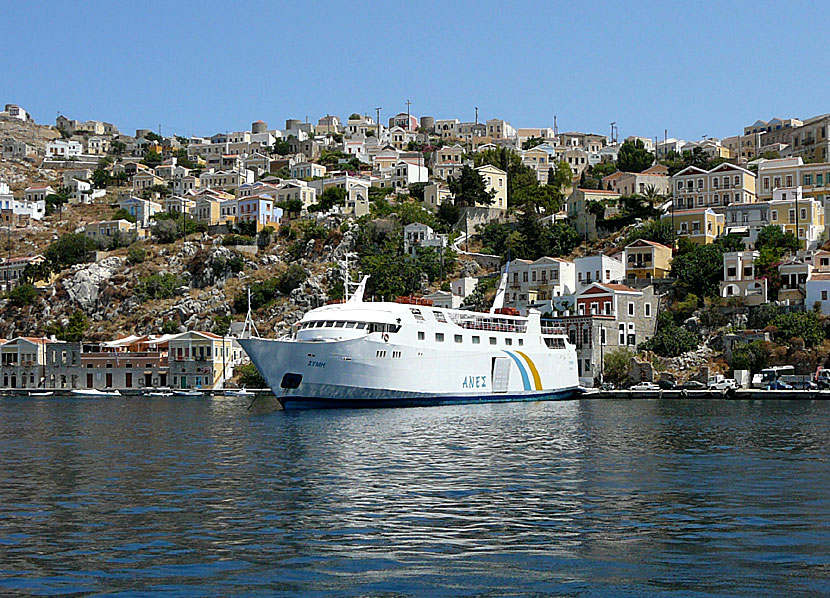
column 249, row 321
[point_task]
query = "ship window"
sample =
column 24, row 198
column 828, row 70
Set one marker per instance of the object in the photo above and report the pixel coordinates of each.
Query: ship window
column 330, row 323
column 350, row 324
column 339, row 324
column 492, row 340
column 417, row 314
column 476, row 340
column 361, row 325
column 420, row 335
column 320, row 324
column 439, row 337
column 458, row 338
column 508, row 341
column 521, row 342
column 439, row 316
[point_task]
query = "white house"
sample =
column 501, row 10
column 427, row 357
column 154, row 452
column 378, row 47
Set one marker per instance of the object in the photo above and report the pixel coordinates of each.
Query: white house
column 64, row 149
column 598, row 268
column 818, row 291
column 406, row 174
column 37, row 192
column 420, row 235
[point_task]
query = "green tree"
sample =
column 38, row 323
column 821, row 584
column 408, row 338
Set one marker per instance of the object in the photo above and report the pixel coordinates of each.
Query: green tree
column 615, row 365
column 448, row 214
column 22, row 295
column 135, row 255
column 749, row 356
column 100, row 178
column 169, row 327
column 634, row 157
column 158, row 286
column 469, row 189
column 331, row 196
column 291, row 279
column 55, row 200
column 659, row 231
column 249, row 376
column 805, row 326
column 75, row 329
column 670, row 340
column 773, row 236
column 152, row 159
column 700, row 269
column 532, row 142
column 122, row 214
column 68, row 250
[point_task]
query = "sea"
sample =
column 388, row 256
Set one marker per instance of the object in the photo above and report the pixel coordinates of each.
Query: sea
column 200, row 497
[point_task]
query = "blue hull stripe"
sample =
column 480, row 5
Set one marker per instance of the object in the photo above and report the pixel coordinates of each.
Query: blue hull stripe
column 289, row 402
column 525, row 379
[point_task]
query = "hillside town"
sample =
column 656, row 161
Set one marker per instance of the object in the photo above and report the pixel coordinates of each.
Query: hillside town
column 132, row 259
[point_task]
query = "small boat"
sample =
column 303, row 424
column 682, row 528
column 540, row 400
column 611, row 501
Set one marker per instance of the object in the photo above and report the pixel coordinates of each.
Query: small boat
column 158, row 393
column 188, row 393
column 239, row 392
column 41, row 393
column 91, row 392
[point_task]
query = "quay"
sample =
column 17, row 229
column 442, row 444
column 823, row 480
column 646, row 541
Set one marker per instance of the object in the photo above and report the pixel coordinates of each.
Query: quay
column 741, row 394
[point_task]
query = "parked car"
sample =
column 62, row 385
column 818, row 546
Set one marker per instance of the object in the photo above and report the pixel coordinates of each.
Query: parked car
column 805, row 385
column 693, row 385
column 645, row 386
column 719, row 382
column 779, row 385
column 666, row 384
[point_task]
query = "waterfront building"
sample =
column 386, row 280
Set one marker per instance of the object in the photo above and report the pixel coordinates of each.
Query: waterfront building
column 607, row 317
column 202, row 360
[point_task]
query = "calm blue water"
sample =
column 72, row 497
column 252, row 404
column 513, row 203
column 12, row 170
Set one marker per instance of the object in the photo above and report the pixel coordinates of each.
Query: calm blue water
column 197, row 497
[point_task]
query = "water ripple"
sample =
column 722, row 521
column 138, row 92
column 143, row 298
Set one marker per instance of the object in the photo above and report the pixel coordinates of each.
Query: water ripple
column 131, row 498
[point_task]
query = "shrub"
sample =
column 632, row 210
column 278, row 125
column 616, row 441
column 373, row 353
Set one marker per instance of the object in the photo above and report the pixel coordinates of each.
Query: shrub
column 670, row 340
column 136, row 255
column 22, row 295
column 805, row 326
column 169, row 327
column 615, row 365
column 249, row 376
column 68, row 250
column 234, row 239
column 749, row 356
column 158, row 286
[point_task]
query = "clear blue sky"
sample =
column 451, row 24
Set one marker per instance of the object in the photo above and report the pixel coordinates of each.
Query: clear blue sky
column 201, row 68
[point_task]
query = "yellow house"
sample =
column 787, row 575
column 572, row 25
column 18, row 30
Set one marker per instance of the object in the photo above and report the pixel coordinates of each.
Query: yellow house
column 207, row 210
column 647, row 259
column 802, row 216
column 495, row 179
column 202, row 360
column 701, row 226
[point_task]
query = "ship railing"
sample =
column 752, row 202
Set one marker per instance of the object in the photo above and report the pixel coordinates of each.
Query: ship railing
column 552, row 330
column 491, row 327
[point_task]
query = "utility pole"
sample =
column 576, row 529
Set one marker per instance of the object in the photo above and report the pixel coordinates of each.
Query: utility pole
column 555, row 128
column 377, row 111
column 408, row 104
column 476, row 114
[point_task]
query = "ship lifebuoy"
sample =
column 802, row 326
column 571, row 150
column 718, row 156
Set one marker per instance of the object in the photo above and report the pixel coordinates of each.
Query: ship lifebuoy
column 385, row 337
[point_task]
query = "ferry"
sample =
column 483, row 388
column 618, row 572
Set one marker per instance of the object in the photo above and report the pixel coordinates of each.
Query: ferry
column 407, row 353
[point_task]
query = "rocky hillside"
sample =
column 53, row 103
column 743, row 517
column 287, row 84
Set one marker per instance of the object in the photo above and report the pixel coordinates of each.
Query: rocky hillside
column 22, row 173
column 187, row 285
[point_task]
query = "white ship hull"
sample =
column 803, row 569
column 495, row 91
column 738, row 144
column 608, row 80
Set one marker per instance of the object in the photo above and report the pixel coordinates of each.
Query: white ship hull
column 397, row 359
